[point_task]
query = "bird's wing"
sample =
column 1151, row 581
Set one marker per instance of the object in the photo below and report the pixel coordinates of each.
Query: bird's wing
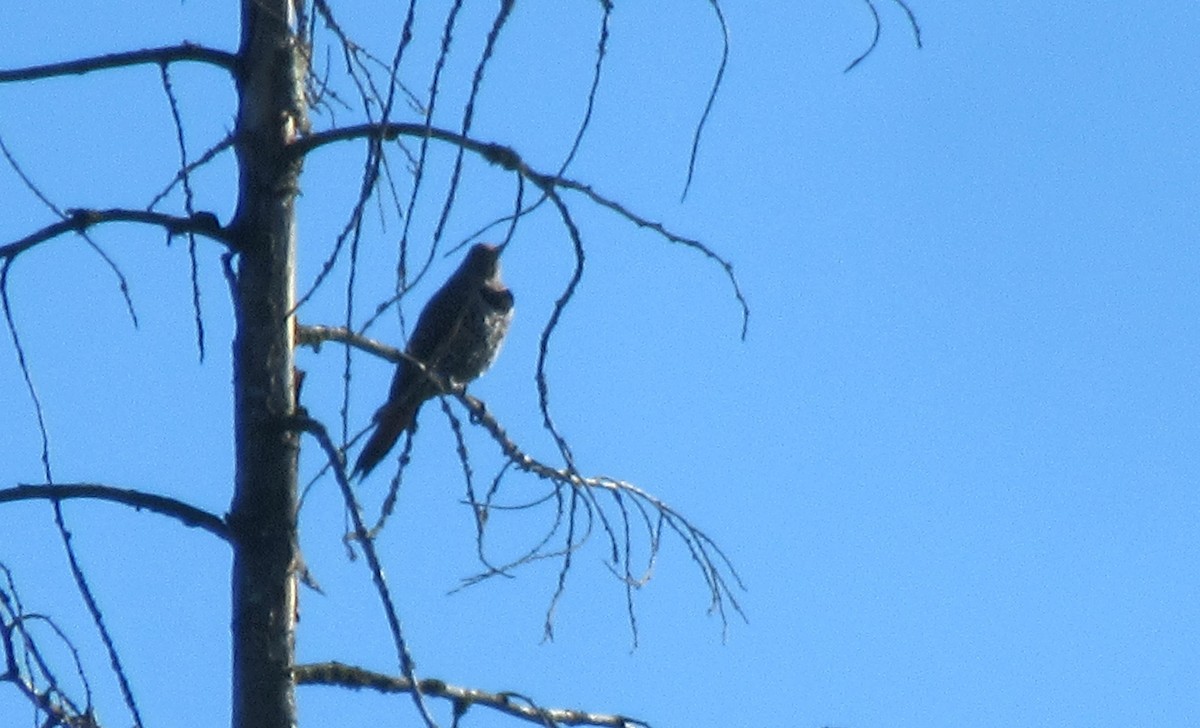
column 439, row 324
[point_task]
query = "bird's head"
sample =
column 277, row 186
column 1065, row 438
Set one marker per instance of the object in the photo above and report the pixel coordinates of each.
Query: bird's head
column 482, row 262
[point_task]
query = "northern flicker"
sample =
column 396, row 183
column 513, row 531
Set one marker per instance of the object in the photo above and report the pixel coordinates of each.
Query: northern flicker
column 457, row 336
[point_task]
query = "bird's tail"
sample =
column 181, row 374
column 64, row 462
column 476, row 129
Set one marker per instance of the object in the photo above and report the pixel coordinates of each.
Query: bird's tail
column 392, row 419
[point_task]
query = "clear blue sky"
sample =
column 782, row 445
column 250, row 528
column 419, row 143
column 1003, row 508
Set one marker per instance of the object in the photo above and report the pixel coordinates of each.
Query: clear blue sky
column 955, row 459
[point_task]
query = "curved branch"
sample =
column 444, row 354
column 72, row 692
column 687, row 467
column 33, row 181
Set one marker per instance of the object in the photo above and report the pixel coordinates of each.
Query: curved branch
column 507, row 158
column 112, row 265
column 160, row 56
column 25, row 665
column 188, row 515
column 347, row 676
column 201, row 223
column 388, row 132
column 720, row 576
column 878, row 29
column 661, row 229
column 712, row 97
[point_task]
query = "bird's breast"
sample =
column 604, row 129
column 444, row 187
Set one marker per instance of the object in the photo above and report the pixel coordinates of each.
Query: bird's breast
column 478, row 339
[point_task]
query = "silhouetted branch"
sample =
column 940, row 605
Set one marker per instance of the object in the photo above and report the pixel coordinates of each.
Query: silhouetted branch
column 560, row 305
column 77, row 574
column 507, row 158
column 186, row 514
column 719, row 574
column 202, row 223
column 365, row 539
column 208, row 155
column 659, row 228
column 97, row 615
column 158, row 56
column 878, row 28
column 189, row 203
column 512, row 704
column 434, row 88
column 712, row 96
column 58, row 212
column 502, row 15
column 26, row 668
column 23, row 365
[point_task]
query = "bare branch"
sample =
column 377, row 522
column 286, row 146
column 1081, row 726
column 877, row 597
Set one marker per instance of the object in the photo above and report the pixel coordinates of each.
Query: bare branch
column 93, row 609
column 389, row 132
column 597, row 69
column 507, row 158
column 878, row 28
column 912, row 22
column 719, row 574
column 23, row 364
column 157, row 56
column 560, row 305
column 186, row 514
column 202, row 223
column 27, row 668
column 189, row 203
column 712, row 97
column 347, row 676
column 407, row 666
column 203, row 159
column 313, row 336
column 418, row 173
column 659, row 228
column 502, row 15
column 32, row 186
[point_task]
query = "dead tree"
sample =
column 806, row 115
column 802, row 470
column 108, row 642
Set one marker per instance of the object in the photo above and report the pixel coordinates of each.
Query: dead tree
column 296, row 59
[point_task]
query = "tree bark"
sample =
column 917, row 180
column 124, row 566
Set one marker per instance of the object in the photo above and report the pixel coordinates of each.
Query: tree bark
column 271, row 111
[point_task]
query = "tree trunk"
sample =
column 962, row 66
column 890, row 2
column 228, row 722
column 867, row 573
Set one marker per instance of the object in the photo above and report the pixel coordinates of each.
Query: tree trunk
column 263, row 514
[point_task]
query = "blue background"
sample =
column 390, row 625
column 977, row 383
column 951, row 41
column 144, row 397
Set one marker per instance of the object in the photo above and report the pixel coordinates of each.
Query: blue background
column 955, row 460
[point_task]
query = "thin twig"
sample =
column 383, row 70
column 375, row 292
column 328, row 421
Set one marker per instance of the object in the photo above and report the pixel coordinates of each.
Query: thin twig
column 718, row 572
column 407, row 666
column 508, row 158
column 712, row 97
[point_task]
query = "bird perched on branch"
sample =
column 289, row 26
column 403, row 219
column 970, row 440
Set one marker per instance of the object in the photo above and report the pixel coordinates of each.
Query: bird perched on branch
column 457, row 337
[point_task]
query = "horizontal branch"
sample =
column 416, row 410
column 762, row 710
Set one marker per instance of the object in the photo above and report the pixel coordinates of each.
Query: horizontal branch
column 314, row 335
column 495, row 153
column 157, row 56
column 512, row 704
column 188, row 515
column 201, row 223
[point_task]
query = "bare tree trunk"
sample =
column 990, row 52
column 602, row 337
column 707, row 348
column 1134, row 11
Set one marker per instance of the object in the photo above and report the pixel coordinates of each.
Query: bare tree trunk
column 263, row 515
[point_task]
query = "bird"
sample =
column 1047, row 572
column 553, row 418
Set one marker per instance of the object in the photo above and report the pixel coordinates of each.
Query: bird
column 457, row 337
